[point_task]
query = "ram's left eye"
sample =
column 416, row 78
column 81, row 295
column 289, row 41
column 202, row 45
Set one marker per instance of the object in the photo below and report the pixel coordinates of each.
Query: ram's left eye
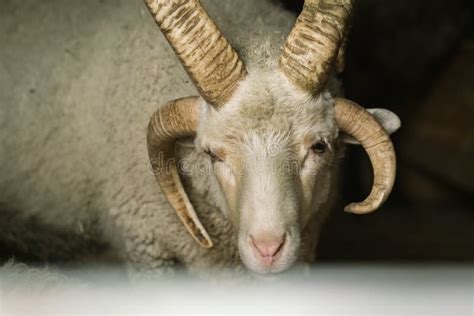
column 212, row 155
column 319, row 147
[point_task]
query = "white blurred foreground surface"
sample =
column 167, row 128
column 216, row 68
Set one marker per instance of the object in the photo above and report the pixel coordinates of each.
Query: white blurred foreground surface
column 326, row 290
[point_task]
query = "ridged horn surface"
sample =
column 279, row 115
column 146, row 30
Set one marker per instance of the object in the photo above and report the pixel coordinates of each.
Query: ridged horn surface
column 207, row 56
column 175, row 120
column 360, row 124
column 312, row 47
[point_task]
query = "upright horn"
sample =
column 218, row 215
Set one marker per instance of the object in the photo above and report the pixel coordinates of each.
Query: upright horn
column 312, row 47
column 207, row 56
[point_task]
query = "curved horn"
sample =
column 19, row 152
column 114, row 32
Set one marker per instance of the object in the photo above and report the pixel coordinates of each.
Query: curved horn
column 312, row 47
column 360, row 124
column 207, row 56
column 176, row 119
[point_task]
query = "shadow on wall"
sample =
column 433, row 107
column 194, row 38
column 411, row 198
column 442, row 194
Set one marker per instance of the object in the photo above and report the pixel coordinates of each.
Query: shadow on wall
column 415, row 58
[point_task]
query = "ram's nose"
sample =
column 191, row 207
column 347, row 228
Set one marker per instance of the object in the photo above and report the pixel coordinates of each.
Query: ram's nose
column 267, row 247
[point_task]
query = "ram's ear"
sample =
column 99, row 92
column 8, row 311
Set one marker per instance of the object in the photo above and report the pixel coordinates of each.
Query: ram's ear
column 389, row 120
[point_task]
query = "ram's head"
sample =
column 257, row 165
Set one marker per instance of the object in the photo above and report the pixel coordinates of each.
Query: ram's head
column 271, row 135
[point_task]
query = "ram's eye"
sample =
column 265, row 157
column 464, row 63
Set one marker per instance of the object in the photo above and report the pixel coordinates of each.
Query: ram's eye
column 319, row 147
column 212, row 155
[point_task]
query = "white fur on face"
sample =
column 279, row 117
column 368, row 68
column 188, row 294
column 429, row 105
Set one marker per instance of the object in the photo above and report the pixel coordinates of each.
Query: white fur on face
column 269, row 178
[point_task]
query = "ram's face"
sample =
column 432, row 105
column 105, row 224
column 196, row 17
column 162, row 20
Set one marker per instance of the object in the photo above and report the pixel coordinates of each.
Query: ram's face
column 271, row 163
column 269, row 140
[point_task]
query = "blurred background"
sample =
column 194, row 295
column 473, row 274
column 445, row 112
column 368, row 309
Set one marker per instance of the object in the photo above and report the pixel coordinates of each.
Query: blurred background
column 416, row 58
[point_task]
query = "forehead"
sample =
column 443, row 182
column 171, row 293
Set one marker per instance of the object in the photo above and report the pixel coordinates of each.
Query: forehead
column 267, row 108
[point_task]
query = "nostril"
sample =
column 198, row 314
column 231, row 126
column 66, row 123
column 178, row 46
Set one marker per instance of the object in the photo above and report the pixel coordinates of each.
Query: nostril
column 268, row 245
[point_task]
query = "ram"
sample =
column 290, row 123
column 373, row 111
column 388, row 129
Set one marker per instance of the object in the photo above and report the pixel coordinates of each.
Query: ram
column 247, row 170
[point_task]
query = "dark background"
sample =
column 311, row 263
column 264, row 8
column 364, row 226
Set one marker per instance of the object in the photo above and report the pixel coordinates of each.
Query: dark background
column 416, row 58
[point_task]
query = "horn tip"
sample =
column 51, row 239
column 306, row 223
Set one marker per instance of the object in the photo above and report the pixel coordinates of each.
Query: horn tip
column 360, row 208
column 207, row 243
